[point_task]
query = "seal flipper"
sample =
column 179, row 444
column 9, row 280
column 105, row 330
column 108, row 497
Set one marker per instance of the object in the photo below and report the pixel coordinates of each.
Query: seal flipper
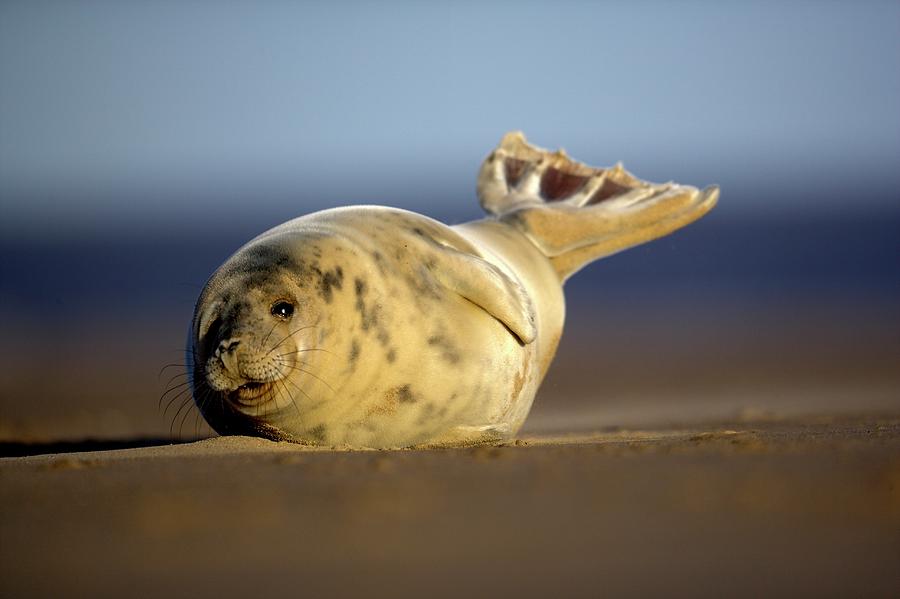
column 575, row 213
column 490, row 289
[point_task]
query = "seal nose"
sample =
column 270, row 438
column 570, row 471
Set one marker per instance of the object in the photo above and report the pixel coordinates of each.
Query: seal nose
column 227, row 346
column 228, row 356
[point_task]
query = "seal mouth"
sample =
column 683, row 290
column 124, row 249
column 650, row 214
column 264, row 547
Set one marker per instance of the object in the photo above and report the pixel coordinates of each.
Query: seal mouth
column 252, row 392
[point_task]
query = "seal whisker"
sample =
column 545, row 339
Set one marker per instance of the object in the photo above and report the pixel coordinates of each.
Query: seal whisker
column 182, row 400
column 189, row 403
column 206, row 396
column 296, row 386
column 174, row 386
column 175, row 376
column 197, row 422
column 266, row 338
column 171, row 384
column 197, row 406
column 278, row 395
column 184, row 403
column 179, row 396
column 172, row 379
column 175, row 419
column 183, row 386
column 172, row 365
column 291, row 398
column 300, row 351
column 315, row 376
column 288, row 336
column 261, row 404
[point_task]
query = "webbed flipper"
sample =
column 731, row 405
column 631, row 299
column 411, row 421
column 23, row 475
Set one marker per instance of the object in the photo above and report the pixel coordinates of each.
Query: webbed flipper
column 575, row 213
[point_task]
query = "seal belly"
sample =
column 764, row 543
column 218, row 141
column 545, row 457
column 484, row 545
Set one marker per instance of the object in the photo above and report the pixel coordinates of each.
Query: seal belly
column 424, row 363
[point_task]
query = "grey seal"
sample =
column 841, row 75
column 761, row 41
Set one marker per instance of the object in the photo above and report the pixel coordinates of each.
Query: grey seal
column 368, row 326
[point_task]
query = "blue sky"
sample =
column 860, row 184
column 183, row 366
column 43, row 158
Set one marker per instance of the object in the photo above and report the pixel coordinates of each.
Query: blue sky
column 184, row 106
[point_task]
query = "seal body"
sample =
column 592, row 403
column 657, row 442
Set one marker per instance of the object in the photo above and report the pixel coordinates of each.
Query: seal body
column 368, row 326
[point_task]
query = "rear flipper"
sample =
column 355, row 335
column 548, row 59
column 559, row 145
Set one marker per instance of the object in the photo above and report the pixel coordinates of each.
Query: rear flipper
column 575, row 213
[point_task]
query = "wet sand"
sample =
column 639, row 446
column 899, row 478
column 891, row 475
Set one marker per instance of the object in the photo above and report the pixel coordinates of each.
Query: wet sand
column 750, row 507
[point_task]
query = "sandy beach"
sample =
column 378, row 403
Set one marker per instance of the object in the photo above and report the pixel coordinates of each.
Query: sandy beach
column 741, row 454
column 786, row 507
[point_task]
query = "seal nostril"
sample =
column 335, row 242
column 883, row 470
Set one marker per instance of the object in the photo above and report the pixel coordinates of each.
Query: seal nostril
column 228, row 345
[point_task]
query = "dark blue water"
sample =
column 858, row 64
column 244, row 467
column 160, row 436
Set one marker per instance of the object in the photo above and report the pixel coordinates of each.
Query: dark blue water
column 759, row 259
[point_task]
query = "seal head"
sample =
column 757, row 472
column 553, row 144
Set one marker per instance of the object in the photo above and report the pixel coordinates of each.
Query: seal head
column 246, row 336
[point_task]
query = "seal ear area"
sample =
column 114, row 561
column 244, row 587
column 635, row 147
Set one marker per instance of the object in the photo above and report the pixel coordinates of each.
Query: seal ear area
column 207, row 322
column 490, row 289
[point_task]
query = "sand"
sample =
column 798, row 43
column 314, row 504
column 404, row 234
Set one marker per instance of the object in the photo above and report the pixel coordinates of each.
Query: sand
column 787, row 507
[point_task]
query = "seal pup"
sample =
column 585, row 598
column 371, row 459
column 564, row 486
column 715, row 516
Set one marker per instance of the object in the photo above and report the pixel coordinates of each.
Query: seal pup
column 369, row 326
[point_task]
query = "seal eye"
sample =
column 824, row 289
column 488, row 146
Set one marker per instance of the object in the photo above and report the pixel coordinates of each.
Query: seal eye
column 282, row 309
